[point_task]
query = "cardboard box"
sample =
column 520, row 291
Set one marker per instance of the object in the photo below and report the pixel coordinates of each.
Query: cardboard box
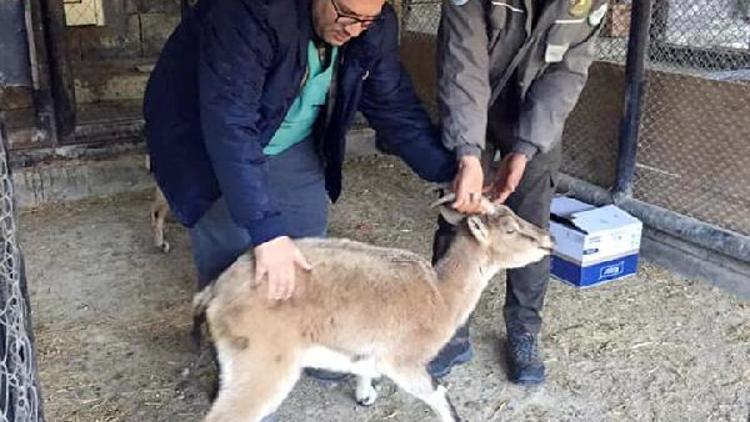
column 593, row 245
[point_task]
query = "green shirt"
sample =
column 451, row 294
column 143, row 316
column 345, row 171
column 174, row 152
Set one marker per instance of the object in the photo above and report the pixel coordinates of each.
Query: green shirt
column 300, row 119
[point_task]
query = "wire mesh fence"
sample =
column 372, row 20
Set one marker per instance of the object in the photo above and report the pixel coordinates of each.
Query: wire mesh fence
column 421, row 16
column 694, row 154
column 700, row 37
column 419, row 25
column 591, row 134
column 613, row 39
column 20, row 398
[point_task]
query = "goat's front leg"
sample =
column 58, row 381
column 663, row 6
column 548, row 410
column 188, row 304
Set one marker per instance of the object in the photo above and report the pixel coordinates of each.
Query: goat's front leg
column 416, row 381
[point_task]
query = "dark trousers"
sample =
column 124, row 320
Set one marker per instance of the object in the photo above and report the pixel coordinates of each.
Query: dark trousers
column 525, row 287
column 297, row 182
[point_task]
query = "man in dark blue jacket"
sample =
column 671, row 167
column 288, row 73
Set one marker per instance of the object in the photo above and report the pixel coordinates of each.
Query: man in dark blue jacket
column 246, row 114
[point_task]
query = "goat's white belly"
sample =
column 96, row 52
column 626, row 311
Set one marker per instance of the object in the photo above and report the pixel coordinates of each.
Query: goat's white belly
column 324, row 358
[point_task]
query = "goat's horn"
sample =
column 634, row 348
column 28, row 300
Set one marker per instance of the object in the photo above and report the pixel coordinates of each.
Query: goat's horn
column 488, row 206
column 447, row 198
column 439, row 188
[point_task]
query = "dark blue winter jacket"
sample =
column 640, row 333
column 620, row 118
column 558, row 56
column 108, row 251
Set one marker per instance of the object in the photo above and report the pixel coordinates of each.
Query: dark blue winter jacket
column 223, row 84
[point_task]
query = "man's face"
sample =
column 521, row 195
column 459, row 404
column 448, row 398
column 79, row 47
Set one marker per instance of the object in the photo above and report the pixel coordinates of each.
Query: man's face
column 338, row 21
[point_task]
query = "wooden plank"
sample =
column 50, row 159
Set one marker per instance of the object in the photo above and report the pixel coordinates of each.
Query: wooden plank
column 14, row 98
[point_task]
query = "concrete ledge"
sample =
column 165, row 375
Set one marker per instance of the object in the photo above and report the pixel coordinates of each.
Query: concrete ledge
column 693, row 262
column 76, row 179
column 78, row 172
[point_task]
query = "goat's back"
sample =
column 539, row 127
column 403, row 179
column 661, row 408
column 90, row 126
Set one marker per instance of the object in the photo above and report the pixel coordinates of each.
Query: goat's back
column 353, row 287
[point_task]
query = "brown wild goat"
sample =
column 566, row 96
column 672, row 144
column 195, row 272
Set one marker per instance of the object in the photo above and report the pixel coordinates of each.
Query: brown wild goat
column 365, row 310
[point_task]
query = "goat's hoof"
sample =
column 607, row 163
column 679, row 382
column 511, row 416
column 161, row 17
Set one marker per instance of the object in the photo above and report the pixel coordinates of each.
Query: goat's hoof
column 366, row 396
column 165, row 247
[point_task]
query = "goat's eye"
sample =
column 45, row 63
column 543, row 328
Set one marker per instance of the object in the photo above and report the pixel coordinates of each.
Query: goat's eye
column 509, row 231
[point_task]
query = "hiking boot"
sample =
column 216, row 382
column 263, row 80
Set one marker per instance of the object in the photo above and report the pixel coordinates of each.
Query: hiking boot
column 457, row 352
column 524, row 363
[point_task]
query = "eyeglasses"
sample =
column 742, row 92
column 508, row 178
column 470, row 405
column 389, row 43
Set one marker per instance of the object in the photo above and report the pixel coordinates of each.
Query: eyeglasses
column 348, row 19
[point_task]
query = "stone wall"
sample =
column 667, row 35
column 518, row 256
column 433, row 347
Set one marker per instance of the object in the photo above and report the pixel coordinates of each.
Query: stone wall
column 134, row 29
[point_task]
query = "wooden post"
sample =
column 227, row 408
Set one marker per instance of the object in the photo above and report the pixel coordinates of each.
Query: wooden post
column 49, row 22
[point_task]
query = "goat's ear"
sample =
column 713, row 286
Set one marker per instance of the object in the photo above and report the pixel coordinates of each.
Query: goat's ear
column 478, row 229
column 450, row 215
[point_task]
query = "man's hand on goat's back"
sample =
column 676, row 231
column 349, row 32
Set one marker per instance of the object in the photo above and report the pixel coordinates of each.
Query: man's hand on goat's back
column 278, row 260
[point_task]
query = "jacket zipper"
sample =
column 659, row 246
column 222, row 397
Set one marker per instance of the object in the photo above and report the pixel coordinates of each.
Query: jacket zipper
column 330, row 103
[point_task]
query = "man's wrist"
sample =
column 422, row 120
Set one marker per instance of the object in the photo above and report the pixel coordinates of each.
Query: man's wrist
column 271, row 241
column 468, row 151
column 528, row 149
column 469, row 160
column 266, row 229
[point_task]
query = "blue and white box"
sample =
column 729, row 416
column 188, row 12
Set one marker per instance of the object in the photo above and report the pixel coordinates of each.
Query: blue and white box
column 593, row 245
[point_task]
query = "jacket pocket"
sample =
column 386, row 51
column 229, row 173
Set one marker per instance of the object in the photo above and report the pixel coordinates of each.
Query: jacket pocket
column 562, row 35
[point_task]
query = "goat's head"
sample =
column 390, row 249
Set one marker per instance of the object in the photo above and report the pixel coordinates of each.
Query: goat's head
column 509, row 240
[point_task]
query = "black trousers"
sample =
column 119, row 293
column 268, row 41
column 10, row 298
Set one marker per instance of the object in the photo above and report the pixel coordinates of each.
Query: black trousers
column 525, row 287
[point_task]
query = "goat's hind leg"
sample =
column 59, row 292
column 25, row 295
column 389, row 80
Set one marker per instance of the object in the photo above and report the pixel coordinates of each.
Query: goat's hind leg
column 416, row 381
column 159, row 211
column 253, row 385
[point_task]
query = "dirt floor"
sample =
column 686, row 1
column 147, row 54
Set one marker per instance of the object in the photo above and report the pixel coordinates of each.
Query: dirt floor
column 112, row 317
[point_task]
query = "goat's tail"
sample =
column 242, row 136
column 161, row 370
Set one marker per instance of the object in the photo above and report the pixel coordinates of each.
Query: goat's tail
column 201, row 300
